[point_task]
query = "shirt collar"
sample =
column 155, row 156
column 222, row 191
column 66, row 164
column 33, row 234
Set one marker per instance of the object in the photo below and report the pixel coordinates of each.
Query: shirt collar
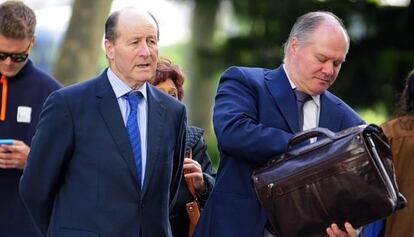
column 121, row 88
column 315, row 98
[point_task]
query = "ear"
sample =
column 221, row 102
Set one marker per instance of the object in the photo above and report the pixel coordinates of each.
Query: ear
column 33, row 40
column 109, row 49
column 294, row 45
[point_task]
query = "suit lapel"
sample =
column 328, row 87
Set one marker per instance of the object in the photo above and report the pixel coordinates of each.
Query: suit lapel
column 280, row 89
column 278, row 84
column 330, row 113
column 156, row 125
column 109, row 109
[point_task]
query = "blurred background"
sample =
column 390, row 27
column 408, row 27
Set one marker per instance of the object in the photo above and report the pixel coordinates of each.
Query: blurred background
column 204, row 37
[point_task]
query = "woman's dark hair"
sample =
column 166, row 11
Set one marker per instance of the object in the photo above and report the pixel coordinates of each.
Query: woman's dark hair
column 407, row 97
column 165, row 70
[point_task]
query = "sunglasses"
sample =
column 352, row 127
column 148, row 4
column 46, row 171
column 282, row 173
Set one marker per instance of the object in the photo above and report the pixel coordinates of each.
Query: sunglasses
column 15, row 57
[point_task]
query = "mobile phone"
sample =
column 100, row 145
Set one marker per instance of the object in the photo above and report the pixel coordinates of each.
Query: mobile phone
column 6, row 141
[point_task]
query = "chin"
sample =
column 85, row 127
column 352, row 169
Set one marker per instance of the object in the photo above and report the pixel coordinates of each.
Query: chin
column 9, row 74
column 318, row 91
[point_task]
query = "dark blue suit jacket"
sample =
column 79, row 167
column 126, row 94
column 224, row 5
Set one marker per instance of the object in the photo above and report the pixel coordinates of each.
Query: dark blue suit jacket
column 81, row 178
column 255, row 115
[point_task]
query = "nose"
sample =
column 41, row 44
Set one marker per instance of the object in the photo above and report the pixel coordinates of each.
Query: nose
column 328, row 68
column 144, row 50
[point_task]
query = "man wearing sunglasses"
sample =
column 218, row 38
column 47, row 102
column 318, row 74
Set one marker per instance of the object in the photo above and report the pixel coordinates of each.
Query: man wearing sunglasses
column 23, row 90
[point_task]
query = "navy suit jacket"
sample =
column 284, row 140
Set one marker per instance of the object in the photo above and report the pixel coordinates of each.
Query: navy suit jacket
column 81, row 178
column 255, row 115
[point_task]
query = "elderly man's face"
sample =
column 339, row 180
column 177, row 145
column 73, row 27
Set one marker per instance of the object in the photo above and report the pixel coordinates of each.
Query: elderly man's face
column 315, row 65
column 134, row 54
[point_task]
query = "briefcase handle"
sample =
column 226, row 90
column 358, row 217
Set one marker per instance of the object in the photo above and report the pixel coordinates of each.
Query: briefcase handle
column 308, row 134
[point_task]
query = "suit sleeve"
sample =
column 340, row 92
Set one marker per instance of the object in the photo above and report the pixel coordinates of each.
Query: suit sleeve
column 236, row 122
column 50, row 151
column 178, row 159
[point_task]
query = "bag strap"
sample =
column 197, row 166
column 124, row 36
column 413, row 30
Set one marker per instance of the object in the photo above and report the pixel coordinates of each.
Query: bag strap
column 189, row 181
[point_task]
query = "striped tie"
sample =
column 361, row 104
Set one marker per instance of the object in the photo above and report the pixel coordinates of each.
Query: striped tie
column 133, row 99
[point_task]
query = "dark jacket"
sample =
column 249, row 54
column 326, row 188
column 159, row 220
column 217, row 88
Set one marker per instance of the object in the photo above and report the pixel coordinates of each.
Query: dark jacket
column 255, row 115
column 179, row 218
column 28, row 89
column 84, row 182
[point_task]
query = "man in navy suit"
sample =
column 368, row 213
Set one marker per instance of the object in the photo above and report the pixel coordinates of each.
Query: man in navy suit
column 256, row 114
column 82, row 178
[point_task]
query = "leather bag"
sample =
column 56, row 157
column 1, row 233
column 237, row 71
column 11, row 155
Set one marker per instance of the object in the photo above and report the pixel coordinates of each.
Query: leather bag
column 344, row 176
column 193, row 208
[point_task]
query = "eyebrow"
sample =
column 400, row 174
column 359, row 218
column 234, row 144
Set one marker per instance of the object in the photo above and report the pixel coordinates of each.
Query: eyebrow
column 326, row 57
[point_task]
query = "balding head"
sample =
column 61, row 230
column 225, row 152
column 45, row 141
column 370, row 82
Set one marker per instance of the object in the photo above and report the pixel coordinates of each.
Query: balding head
column 306, row 25
column 131, row 46
column 111, row 23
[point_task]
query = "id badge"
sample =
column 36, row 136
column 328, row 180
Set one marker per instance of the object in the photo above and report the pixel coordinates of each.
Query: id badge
column 24, row 114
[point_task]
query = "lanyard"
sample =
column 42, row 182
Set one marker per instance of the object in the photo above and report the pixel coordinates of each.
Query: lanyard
column 3, row 98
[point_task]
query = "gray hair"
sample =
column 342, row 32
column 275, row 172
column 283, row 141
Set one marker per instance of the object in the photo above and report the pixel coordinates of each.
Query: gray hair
column 306, row 25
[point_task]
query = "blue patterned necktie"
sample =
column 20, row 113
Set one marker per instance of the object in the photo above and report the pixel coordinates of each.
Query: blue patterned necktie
column 301, row 98
column 133, row 99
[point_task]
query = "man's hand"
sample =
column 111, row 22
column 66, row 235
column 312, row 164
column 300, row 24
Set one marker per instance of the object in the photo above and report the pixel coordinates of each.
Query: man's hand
column 334, row 231
column 14, row 156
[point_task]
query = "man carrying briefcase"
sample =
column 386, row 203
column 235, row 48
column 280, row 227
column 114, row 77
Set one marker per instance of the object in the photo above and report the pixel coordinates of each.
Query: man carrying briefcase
column 258, row 110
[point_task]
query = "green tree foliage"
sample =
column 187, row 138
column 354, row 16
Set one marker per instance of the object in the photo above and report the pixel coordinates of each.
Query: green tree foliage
column 379, row 61
column 381, row 53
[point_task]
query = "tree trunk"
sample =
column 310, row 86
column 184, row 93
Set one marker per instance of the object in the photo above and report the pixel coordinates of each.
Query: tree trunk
column 201, row 84
column 80, row 50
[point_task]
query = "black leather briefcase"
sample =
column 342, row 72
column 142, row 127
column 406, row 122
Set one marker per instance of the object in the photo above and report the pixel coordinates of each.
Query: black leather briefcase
column 344, row 176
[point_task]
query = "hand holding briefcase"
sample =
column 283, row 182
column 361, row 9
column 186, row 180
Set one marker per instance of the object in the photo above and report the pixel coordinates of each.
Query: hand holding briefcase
column 344, row 176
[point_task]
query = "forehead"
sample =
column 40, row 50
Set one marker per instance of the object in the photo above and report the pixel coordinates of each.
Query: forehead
column 13, row 45
column 134, row 23
column 330, row 40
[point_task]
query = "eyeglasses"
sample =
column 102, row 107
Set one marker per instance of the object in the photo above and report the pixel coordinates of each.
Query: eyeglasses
column 15, row 57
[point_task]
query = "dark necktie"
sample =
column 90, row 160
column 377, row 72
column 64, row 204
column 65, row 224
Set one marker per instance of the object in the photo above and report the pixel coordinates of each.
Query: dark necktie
column 133, row 99
column 301, row 98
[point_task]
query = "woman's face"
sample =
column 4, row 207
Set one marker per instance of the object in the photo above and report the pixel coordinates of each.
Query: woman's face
column 168, row 87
